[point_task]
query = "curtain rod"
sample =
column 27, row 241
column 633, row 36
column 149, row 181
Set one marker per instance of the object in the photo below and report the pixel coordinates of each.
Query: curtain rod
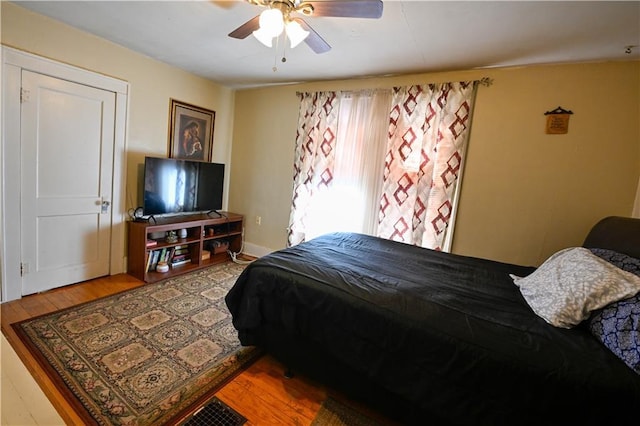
column 485, row 81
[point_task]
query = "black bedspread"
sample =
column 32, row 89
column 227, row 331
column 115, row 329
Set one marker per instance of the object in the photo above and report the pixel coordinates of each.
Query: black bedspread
column 450, row 334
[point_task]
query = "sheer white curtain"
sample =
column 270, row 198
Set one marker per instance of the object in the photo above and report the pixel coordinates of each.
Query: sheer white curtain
column 349, row 199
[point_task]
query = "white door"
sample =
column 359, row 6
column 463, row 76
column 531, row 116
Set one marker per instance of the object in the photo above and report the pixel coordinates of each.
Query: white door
column 67, row 140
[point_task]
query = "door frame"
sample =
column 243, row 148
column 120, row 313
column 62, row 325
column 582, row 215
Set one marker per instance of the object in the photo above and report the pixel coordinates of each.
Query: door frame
column 13, row 63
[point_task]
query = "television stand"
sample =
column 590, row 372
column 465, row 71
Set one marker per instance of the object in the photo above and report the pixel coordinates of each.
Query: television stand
column 207, row 242
column 216, row 212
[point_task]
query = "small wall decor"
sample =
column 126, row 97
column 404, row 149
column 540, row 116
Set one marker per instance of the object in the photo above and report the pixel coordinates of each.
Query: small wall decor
column 557, row 121
column 190, row 131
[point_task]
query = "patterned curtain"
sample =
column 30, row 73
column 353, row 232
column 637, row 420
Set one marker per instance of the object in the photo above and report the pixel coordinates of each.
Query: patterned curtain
column 314, row 156
column 428, row 133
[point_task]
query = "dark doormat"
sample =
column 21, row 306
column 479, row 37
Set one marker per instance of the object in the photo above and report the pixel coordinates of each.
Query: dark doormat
column 216, row 413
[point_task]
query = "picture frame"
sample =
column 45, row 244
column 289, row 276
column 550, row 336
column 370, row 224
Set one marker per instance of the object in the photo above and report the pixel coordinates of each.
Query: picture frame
column 190, row 131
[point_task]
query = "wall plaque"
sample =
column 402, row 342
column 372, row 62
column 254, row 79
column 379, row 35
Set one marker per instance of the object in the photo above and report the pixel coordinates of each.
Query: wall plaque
column 557, row 121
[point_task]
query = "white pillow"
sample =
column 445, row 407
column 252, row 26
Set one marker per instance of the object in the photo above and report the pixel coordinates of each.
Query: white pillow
column 572, row 283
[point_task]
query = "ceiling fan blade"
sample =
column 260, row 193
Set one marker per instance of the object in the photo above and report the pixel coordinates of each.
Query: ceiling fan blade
column 348, row 8
column 313, row 40
column 244, row 30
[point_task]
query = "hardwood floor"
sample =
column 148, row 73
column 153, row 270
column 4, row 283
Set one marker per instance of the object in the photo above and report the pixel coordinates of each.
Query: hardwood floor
column 261, row 393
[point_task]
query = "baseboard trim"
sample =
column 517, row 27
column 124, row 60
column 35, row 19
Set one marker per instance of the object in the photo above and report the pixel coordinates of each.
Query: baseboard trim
column 256, row 250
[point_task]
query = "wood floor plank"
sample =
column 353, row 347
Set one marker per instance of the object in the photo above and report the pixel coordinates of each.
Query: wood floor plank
column 37, row 305
column 272, row 382
column 59, row 299
column 261, row 409
column 12, row 312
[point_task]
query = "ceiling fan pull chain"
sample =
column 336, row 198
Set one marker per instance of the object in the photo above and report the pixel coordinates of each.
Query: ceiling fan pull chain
column 284, row 47
column 275, row 56
column 284, row 51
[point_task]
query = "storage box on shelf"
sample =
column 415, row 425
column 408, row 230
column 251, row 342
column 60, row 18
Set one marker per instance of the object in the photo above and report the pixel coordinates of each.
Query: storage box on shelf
column 184, row 243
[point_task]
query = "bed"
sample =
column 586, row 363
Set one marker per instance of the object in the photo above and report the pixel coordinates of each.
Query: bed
column 437, row 338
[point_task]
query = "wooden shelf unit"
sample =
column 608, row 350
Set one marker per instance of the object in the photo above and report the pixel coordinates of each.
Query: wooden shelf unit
column 204, row 232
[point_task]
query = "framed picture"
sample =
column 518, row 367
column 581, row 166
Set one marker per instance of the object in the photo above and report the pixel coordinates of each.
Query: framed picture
column 190, row 132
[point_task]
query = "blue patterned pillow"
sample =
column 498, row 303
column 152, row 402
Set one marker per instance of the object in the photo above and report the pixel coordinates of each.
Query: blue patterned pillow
column 617, row 325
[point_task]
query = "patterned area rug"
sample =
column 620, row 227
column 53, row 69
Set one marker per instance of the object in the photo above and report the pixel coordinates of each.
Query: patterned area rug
column 145, row 356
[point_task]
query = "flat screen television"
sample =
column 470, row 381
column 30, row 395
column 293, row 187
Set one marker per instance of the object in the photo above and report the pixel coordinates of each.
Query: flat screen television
column 174, row 186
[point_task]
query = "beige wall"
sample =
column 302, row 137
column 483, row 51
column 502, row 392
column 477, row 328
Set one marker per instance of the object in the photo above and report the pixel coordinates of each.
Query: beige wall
column 525, row 194
column 151, row 85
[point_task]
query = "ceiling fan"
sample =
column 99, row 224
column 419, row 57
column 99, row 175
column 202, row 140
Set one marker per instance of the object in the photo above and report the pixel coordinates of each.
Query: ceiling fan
column 279, row 17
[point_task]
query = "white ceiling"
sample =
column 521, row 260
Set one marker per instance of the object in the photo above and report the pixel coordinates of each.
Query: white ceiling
column 411, row 36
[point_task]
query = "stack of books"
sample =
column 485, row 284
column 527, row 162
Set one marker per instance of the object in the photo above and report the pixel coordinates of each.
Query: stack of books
column 180, row 256
column 173, row 256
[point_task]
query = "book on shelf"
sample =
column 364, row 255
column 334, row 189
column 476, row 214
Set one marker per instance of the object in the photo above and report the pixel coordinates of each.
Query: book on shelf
column 151, row 243
column 179, row 257
column 169, row 254
column 147, row 263
column 180, row 262
column 155, row 256
column 178, row 252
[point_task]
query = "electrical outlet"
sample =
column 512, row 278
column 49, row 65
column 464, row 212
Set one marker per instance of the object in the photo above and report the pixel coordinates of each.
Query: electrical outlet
column 258, row 220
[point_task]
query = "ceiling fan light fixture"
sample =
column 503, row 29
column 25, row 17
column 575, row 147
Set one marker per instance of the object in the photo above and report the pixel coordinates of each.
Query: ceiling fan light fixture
column 263, row 37
column 295, row 33
column 272, row 22
column 280, row 15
